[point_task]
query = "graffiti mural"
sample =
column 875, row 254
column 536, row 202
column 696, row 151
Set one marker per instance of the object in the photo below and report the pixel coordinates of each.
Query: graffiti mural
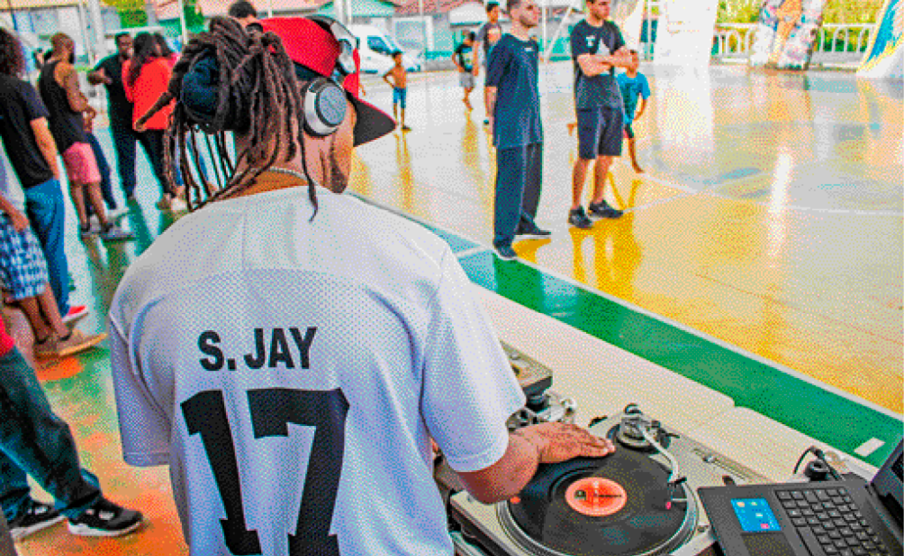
column 786, row 33
column 885, row 54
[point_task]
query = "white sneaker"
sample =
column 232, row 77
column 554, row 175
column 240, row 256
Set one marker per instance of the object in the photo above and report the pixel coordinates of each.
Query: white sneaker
column 117, row 214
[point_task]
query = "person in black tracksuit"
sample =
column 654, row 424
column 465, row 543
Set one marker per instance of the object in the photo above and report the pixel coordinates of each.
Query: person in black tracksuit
column 513, row 105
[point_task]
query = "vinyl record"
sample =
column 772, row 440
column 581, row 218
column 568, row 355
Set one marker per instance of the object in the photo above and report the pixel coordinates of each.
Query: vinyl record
column 612, row 506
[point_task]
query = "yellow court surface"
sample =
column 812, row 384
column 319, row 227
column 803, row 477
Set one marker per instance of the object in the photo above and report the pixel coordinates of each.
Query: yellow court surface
column 769, row 215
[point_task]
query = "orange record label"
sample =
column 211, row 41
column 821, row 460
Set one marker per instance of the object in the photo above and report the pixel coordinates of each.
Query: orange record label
column 595, row 496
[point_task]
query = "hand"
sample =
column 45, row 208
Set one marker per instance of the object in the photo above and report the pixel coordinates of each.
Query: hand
column 558, row 442
column 140, row 127
column 19, row 221
column 475, row 71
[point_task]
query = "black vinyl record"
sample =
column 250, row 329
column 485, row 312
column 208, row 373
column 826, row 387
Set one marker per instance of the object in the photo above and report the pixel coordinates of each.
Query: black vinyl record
column 628, row 514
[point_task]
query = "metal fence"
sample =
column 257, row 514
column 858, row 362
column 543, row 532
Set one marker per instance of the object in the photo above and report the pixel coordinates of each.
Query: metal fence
column 836, row 43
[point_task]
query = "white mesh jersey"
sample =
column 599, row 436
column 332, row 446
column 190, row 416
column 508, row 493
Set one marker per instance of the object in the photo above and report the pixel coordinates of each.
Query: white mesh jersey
column 291, row 372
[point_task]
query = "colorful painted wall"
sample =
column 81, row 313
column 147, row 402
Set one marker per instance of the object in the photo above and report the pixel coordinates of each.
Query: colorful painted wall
column 786, row 33
column 885, row 54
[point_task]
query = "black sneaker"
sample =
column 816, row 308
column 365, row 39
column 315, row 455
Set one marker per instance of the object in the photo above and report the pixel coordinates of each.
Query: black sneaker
column 31, row 519
column 603, row 210
column 505, row 252
column 532, row 233
column 578, row 219
column 105, row 519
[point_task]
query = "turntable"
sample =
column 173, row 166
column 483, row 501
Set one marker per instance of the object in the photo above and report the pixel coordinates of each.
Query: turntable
column 639, row 501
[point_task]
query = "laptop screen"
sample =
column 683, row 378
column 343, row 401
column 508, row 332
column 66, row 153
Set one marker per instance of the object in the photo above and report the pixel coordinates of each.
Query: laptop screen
column 889, row 482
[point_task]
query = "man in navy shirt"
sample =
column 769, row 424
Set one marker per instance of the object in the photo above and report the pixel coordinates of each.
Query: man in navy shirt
column 597, row 47
column 513, row 106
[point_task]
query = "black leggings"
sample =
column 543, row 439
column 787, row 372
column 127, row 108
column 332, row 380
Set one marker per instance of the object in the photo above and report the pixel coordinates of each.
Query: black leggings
column 152, row 142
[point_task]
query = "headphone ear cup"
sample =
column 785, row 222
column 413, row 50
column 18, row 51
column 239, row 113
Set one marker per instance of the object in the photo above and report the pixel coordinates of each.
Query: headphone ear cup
column 325, row 107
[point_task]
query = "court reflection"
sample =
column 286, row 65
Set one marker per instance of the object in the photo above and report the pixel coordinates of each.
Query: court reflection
column 616, row 251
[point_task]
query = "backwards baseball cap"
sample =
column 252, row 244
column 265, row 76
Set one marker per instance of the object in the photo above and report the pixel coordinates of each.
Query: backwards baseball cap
column 309, row 44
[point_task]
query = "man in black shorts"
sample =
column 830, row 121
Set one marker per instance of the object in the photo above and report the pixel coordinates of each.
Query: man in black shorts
column 597, row 47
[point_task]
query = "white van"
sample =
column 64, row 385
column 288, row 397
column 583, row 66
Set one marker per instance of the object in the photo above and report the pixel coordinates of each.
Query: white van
column 376, row 47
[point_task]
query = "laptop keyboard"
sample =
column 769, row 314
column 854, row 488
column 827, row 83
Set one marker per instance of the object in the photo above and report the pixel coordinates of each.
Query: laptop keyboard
column 829, row 522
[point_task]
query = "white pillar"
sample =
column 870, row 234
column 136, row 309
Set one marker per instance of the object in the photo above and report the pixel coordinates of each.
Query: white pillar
column 269, row 8
column 182, row 23
column 339, row 10
column 544, row 13
column 84, row 38
column 97, row 22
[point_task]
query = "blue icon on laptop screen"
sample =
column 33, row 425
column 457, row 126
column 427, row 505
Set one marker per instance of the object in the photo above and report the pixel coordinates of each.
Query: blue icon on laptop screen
column 755, row 515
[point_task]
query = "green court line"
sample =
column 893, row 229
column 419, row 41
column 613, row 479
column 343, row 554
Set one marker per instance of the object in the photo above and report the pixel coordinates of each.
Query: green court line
column 457, row 243
column 796, row 403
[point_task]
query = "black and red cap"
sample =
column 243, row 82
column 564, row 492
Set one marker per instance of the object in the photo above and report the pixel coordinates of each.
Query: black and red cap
column 310, row 45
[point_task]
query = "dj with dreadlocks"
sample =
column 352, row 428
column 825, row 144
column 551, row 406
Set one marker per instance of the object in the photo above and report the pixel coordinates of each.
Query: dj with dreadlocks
column 290, row 351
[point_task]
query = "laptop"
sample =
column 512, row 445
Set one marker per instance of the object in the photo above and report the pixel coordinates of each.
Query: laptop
column 826, row 518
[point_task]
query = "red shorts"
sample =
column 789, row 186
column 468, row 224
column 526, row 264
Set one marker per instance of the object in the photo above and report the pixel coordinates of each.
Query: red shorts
column 81, row 166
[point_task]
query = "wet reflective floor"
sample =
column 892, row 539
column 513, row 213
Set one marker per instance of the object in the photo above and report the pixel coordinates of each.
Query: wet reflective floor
column 769, row 215
column 768, row 223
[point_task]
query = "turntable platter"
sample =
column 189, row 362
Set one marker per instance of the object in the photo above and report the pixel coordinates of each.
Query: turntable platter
column 613, row 506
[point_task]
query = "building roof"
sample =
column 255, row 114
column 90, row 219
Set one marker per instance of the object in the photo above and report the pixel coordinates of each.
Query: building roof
column 413, row 7
column 35, row 4
column 169, row 9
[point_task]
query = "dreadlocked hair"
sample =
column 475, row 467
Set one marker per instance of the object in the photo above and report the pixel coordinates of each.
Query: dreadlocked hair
column 257, row 95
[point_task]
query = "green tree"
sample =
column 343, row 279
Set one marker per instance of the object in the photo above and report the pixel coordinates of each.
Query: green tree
column 132, row 13
column 738, row 11
column 852, row 11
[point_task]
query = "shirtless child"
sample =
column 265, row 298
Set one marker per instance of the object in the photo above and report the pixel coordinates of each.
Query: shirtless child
column 399, row 85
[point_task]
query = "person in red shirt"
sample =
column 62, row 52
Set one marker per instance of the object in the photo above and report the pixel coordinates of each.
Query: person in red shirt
column 145, row 77
column 35, row 441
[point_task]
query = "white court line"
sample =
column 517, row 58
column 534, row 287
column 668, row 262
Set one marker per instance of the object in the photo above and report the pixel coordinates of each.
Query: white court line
column 869, row 447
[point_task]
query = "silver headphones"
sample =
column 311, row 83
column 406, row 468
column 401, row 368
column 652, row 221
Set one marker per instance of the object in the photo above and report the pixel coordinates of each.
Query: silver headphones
column 324, row 98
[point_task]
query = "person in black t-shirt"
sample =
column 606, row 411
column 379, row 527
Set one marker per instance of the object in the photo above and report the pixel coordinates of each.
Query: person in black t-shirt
column 597, row 47
column 463, row 60
column 109, row 72
column 32, row 152
column 513, row 105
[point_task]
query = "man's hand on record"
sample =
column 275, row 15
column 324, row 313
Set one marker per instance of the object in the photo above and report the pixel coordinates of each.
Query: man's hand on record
column 558, row 442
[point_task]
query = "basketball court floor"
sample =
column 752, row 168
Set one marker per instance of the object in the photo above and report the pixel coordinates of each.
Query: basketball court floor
column 751, row 295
